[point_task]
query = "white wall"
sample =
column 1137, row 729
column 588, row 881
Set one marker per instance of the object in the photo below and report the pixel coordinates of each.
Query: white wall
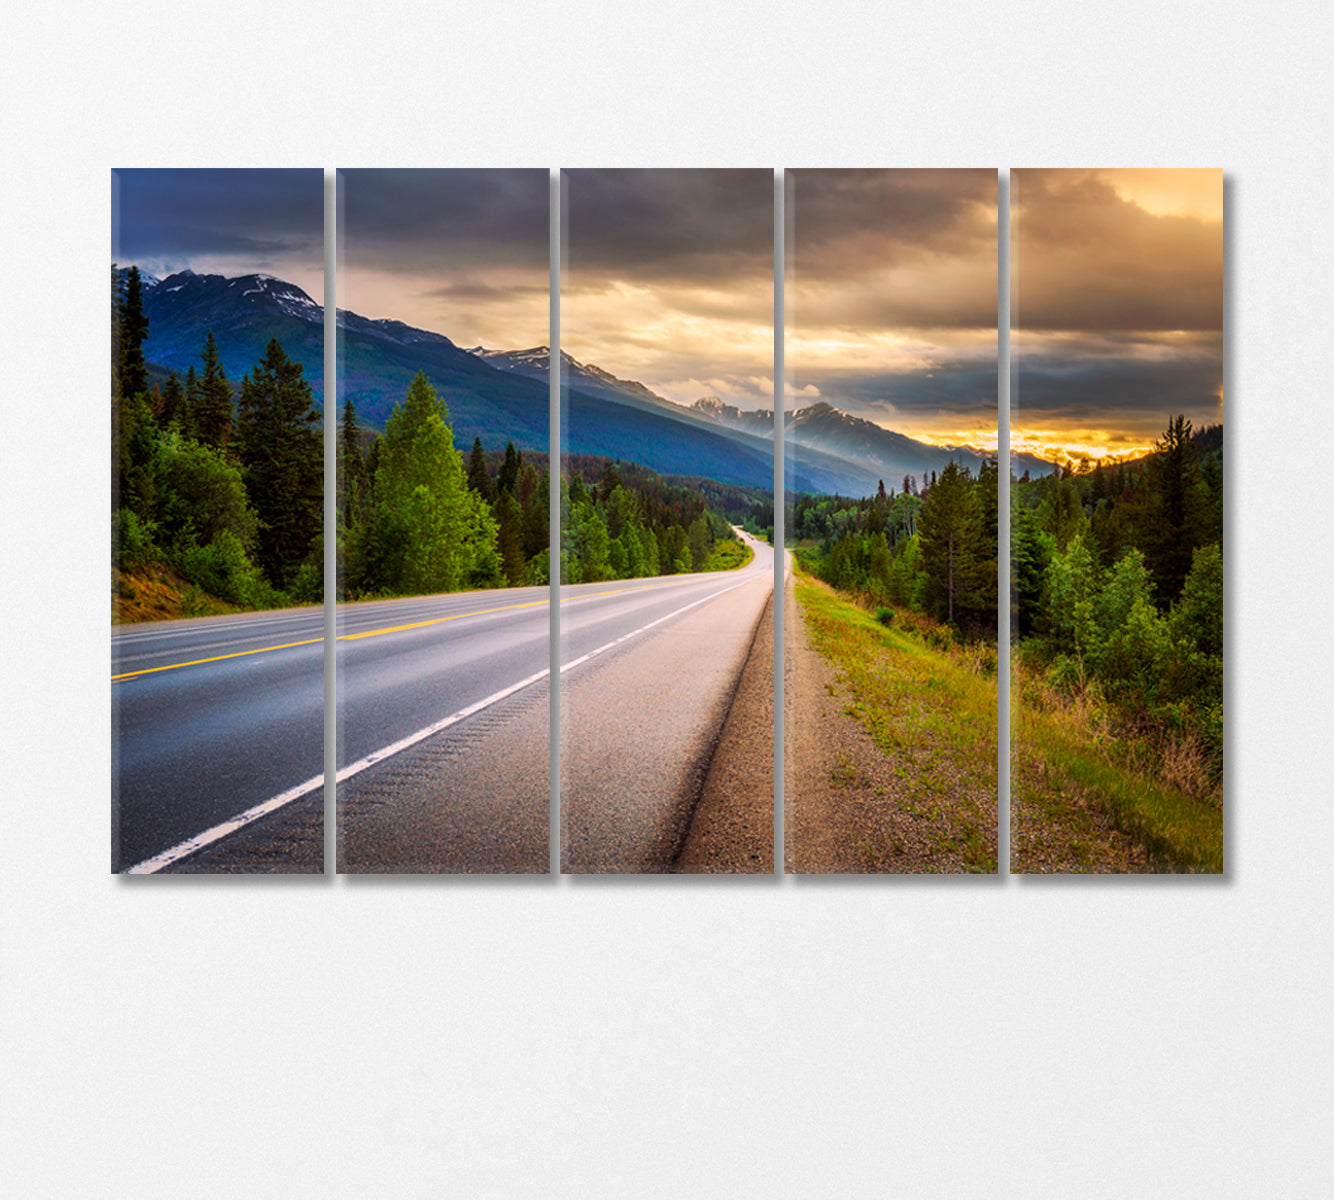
column 225, row 1037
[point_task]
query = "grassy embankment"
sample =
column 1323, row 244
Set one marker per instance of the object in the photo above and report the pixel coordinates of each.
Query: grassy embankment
column 157, row 593
column 914, row 686
column 929, row 706
column 1067, row 759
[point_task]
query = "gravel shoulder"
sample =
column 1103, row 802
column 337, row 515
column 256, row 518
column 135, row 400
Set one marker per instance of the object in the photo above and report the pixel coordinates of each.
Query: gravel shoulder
column 732, row 829
column 851, row 807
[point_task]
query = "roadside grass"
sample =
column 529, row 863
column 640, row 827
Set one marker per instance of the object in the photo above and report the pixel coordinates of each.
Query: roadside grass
column 1065, row 754
column 729, row 554
column 933, row 714
column 910, row 697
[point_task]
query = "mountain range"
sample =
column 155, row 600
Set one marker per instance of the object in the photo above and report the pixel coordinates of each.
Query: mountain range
column 502, row 396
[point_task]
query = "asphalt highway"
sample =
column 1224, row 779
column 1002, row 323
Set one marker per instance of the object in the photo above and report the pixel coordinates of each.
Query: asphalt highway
column 214, row 716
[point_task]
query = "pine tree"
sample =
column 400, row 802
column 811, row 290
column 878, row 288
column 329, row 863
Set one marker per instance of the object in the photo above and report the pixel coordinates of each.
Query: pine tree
column 117, row 303
column 439, row 535
column 611, row 480
column 508, row 478
column 949, row 534
column 983, row 609
column 1028, row 567
column 701, row 543
column 211, row 418
column 537, row 519
column 133, row 332
column 509, row 522
column 172, row 406
column 282, row 460
column 351, row 466
column 190, row 403
column 479, row 478
column 1176, row 512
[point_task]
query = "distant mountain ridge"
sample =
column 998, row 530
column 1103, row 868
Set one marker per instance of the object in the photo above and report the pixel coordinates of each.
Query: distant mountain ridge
column 502, row 396
column 585, row 377
column 822, row 427
column 243, row 313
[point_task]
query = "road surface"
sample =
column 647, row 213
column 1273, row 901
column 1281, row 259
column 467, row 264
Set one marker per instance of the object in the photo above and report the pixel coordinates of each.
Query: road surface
column 442, row 719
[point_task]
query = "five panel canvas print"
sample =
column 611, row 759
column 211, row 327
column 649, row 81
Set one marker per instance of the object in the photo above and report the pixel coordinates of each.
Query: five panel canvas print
column 629, row 507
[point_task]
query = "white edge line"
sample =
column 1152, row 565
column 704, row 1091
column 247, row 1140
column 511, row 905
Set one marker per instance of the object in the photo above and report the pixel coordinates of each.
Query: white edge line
column 152, row 865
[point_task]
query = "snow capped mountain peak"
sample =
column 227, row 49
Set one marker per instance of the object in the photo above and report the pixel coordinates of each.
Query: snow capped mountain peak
column 147, row 279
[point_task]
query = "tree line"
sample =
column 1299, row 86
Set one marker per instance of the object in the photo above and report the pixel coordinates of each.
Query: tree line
column 931, row 547
column 223, row 484
column 1116, row 576
column 414, row 517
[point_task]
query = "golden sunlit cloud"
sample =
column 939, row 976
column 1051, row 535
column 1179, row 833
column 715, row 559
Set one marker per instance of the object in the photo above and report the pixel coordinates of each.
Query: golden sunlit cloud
column 511, row 312
column 660, row 337
column 1171, row 191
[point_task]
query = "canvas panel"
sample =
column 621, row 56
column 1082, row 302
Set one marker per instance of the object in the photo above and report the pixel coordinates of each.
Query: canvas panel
column 217, row 684
column 443, row 615
column 666, row 737
column 890, row 522
column 1117, row 521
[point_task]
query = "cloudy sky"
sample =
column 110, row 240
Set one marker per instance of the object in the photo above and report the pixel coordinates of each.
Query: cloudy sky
column 459, row 252
column 667, row 277
column 1117, row 280
column 222, row 222
column 1117, row 306
column 891, row 298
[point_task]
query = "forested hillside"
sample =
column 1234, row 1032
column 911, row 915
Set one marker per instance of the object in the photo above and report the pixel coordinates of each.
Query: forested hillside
column 414, row 517
column 218, row 488
column 1117, row 592
column 217, row 483
column 1116, row 610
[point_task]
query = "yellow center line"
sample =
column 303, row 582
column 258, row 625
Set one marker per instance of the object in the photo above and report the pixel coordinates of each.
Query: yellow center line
column 351, row 637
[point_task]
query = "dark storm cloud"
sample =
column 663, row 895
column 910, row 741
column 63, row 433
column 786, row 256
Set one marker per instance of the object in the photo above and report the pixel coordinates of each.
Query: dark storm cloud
column 1115, row 393
column 705, row 228
column 1088, row 258
column 966, row 390
column 419, row 220
column 849, row 221
column 899, row 250
column 182, row 215
column 481, row 290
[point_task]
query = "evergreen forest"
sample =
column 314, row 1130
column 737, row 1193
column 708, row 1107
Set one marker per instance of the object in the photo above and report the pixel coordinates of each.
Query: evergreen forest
column 1117, row 599
column 415, row 517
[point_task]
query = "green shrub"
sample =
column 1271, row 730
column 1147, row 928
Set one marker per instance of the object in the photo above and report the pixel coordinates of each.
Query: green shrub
column 223, row 569
column 132, row 539
column 538, row 570
column 308, row 584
